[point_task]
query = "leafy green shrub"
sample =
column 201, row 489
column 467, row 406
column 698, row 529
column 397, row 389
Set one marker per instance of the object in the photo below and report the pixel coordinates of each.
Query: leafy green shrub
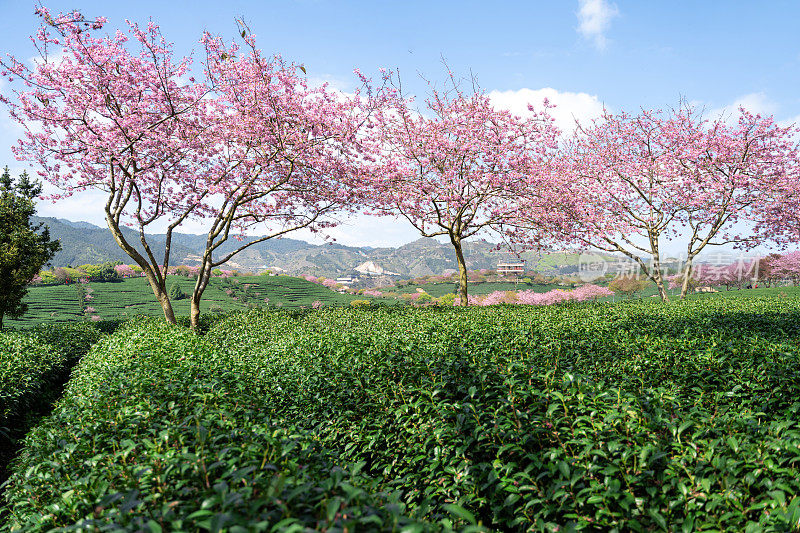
column 424, row 298
column 446, row 300
column 27, row 367
column 33, row 368
column 175, row 292
column 637, row 416
column 72, row 339
column 156, row 432
column 629, row 417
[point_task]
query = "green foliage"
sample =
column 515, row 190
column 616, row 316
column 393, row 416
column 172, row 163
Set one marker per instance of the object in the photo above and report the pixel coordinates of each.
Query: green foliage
column 360, row 303
column 23, row 247
column 26, row 366
column 424, row 298
column 447, row 299
column 31, row 362
column 163, row 432
column 102, row 272
column 635, row 416
column 176, row 293
column 33, row 367
column 71, row 339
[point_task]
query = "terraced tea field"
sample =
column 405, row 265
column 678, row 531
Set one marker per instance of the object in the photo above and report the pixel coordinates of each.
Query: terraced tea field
column 133, row 296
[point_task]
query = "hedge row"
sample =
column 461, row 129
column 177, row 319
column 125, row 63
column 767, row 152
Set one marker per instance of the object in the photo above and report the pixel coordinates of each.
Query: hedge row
column 33, row 368
column 628, row 417
column 26, row 367
column 156, row 433
column 33, row 363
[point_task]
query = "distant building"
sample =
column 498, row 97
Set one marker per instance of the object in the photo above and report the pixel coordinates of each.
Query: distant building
column 509, row 268
column 347, row 280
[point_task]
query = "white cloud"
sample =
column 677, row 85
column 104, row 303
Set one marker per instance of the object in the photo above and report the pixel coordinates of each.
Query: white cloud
column 790, row 121
column 594, row 20
column 569, row 106
column 55, row 58
column 757, row 103
column 365, row 230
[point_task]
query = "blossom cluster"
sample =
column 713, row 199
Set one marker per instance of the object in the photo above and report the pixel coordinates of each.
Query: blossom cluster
column 580, row 294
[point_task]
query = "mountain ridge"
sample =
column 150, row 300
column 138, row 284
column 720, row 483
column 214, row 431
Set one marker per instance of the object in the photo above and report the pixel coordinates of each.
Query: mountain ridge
column 83, row 242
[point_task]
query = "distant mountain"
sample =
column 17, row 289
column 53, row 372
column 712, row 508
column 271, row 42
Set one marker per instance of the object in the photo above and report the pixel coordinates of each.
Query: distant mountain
column 83, row 243
column 79, row 224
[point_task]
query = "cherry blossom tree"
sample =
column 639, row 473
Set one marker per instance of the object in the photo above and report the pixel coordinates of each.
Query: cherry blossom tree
column 454, row 166
column 735, row 274
column 98, row 116
column 253, row 145
column 786, row 266
column 657, row 176
column 766, row 274
column 628, row 285
column 290, row 156
column 733, row 177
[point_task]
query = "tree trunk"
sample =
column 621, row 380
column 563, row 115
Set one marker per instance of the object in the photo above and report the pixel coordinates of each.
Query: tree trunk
column 686, row 275
column 655, row 273
column 199, row 288
column 159, row 287
column 1, row 321
column 163, row 299
column 194, row 313
column 658, row 279
column 462, row 271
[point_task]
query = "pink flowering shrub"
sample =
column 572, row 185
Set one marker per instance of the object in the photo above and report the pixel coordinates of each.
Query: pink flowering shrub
column 330, row 283
column 124, row 271
column 309, row 277
column 317, row 304
column 498, row 297
column 471, row 300
column 373, row 292
column 589, row 292
column 581, row 294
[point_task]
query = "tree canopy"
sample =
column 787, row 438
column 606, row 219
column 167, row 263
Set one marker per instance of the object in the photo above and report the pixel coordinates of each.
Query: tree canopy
column 24, row 247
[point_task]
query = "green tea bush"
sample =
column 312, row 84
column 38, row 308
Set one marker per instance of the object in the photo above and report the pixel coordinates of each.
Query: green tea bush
column 635, row 416
column 155, row 432
column 71, row 339
column 33, row 368
column 27, row 368
column 34, row 364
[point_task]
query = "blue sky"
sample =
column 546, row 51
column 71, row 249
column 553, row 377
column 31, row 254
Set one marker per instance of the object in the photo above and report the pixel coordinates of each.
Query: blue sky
column 582, row 55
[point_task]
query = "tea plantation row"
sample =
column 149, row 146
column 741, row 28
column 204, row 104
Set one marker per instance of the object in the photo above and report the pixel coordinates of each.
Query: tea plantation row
column 33, row 368
column 636, row 416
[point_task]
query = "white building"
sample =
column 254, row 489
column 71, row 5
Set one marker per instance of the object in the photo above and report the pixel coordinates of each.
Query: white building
column 507, row 268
